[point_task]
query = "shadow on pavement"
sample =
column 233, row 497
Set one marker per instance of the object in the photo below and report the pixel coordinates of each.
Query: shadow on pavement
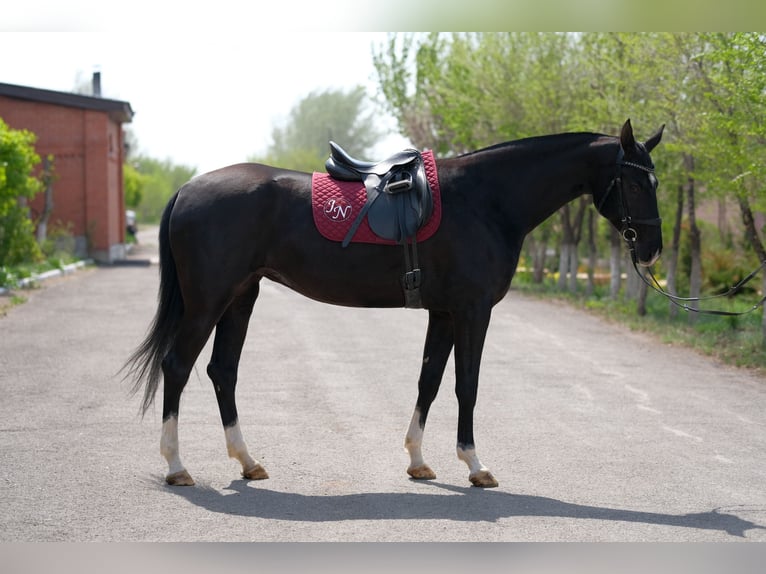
column 466, row 504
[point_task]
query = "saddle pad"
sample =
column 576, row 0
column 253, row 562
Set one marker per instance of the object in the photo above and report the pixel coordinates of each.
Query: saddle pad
column 336, row 203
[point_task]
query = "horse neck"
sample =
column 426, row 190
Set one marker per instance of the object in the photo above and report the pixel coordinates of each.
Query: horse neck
column 531, row 179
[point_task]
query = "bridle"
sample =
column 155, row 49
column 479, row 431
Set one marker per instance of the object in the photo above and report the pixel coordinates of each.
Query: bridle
column 630, row 235
column 628, row 232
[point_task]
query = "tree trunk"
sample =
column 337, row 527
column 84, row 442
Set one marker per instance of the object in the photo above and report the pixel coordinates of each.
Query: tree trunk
column 540, row 249
column 642, row 292
column 538, row 265
column 615, row 259
column 564, row 252
column 723, row 223
column 592, row 252
column 42, row 223
column 567, row 240
column 571, row 232
column 675, row 249
column 574, row 263
column 695, row 238
column 632, row 282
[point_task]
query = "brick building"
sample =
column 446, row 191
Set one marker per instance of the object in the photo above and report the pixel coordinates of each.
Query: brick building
column 85, row 137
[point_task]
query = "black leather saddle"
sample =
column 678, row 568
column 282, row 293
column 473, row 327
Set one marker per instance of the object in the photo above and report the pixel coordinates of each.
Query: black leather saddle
column 399, row 202
column 399, row 199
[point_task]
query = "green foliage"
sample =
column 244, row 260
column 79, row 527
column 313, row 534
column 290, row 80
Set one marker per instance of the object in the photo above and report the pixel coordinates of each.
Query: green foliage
column 455, row 92
column 302, row 143
column 134, row 183
column 17, row 186
column 156, row 181
column 732, row 72
column 59, row 245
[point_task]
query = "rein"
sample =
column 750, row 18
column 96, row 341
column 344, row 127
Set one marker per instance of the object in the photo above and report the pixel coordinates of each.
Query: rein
column 630, row 235
column 682, row 302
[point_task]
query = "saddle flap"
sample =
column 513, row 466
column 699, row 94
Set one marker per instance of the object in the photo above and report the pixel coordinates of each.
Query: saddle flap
column 399, row 215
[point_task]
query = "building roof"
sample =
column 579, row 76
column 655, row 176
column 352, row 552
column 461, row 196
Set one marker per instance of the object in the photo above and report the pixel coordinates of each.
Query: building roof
column 118, row 110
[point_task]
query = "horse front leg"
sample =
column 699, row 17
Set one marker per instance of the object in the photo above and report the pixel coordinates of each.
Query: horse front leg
column 438, row 346
column 470, row 332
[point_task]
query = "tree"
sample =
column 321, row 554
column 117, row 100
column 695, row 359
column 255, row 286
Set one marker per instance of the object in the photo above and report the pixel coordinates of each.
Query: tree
column 459, row 92
column 18, row 185
column 134, row 184
column 731, row 146
column 341, row 116
column 158, row 180
column 456, row 92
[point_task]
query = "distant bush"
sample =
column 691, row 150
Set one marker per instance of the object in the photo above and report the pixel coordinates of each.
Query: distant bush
column 17, row 186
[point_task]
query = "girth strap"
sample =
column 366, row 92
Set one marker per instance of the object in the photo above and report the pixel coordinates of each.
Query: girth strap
column 412, row 274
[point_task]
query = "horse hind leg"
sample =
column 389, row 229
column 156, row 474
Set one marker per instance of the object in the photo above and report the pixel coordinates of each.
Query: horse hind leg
column 438, row 346
column 227, row 349
column 176, row 367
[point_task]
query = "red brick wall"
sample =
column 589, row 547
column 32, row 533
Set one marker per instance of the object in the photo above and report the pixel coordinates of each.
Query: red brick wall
column 88, row 152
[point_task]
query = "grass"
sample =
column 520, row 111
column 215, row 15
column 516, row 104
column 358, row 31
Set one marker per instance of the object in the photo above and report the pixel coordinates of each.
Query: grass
column 11, row 278
column 736, row 341
column 6, row 302
column 12, row 275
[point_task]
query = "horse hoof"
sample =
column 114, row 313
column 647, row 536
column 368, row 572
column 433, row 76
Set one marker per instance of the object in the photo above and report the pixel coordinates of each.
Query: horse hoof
column 422, row 472
column 180, row 478
column 483, row 479
column 255, row 473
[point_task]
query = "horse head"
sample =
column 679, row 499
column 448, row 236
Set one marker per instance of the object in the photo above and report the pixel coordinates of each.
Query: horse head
column 630, row 200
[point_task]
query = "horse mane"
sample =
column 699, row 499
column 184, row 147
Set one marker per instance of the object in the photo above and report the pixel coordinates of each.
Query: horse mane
column 550, row 141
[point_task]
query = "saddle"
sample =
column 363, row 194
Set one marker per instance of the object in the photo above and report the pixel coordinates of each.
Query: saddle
column 399, row 202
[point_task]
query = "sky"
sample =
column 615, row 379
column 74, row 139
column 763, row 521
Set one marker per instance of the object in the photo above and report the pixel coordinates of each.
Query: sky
column 204, row 104
column 208, row 82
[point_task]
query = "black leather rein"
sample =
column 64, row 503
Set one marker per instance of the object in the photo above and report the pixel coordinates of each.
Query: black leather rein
column 630, row 235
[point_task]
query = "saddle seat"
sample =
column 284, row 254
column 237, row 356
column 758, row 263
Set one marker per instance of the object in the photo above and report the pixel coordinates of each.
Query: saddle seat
column 341, row 165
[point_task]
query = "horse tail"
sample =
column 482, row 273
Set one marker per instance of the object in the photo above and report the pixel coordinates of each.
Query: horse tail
column 145, row 363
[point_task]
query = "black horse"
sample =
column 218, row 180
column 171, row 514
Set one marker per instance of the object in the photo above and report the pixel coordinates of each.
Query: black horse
column 224, row 231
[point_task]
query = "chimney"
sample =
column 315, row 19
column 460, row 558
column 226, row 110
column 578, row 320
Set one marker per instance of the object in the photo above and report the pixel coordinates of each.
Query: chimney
column 97, row 84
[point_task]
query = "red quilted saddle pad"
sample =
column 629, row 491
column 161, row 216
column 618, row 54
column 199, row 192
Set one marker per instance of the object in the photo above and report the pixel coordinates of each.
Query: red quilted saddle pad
column 335, row 205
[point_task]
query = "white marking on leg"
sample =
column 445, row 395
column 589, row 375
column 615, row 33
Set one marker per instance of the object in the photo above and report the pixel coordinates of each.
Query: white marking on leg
column 236, row 447
column 169, row 445
column 469, row 457
column 414, row 440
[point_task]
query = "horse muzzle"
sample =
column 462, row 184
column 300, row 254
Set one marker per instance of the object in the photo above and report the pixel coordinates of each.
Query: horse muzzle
column 652, row 260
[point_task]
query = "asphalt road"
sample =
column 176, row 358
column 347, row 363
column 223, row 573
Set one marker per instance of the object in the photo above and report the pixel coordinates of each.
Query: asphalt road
column 594, row 433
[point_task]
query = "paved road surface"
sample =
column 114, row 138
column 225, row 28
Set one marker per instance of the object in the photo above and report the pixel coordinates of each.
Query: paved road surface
column 595, row 434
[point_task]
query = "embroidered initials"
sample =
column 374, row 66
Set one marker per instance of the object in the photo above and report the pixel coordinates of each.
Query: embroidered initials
column 337, row 209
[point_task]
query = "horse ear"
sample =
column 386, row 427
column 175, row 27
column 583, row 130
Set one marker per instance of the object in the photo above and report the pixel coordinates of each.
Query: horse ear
column 652, row 142
column 627, row 141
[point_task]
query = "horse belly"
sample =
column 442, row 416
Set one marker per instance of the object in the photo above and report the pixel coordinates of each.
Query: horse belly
column 354, row 276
